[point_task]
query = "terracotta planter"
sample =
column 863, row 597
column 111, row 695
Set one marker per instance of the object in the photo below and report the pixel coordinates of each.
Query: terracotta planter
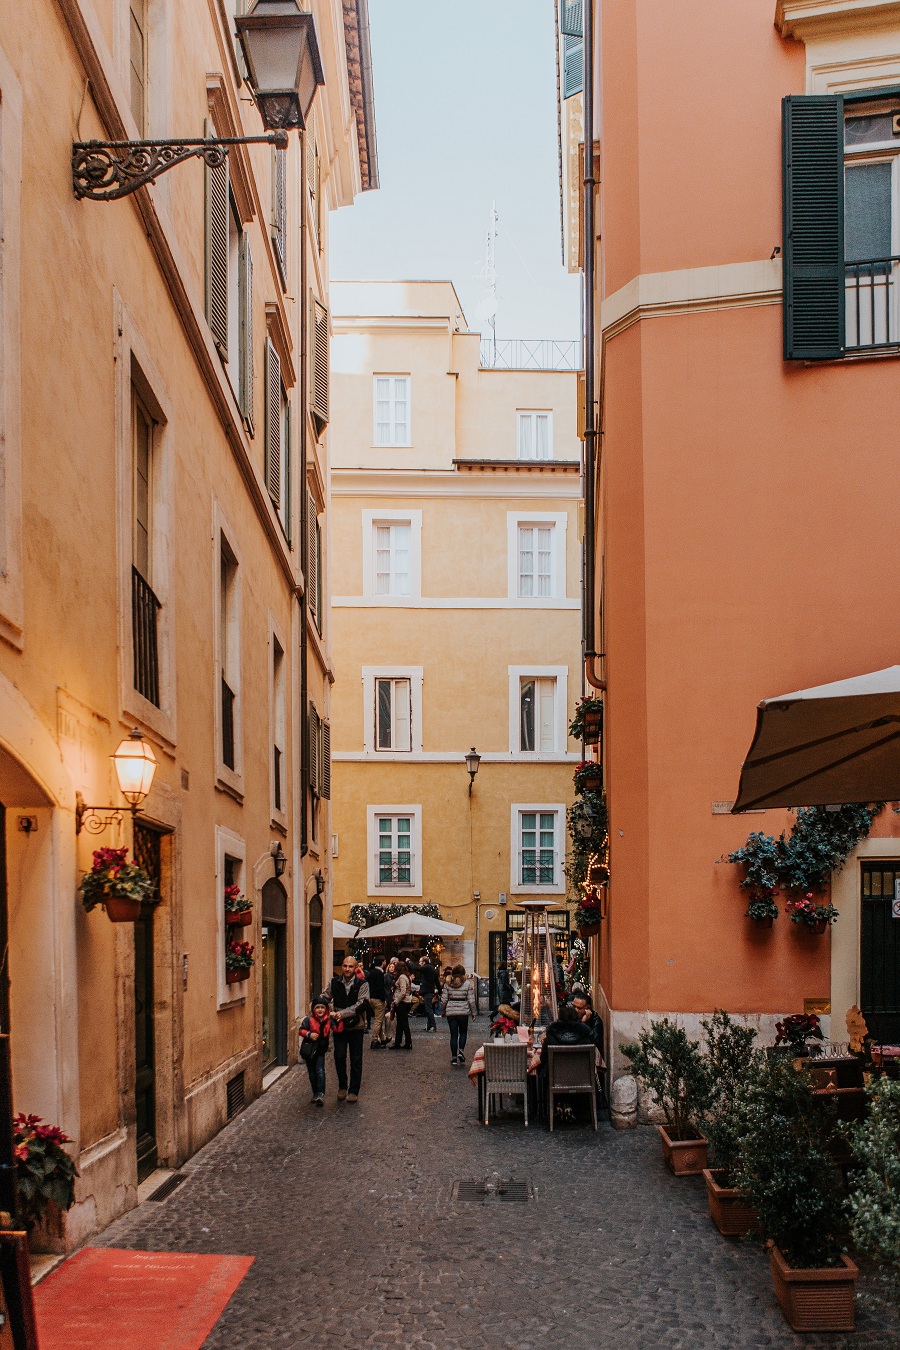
column 587, row 930
column 122, row 909
column 819, row 926
column 591, row 784
column 816, row 1300
column 763, row 923
column 732, row 1214
column 685, row 1157
column 238, row 918
column 237, row 975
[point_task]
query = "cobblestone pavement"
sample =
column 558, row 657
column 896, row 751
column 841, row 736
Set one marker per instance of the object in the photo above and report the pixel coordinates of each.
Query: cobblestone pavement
column 348, row 1212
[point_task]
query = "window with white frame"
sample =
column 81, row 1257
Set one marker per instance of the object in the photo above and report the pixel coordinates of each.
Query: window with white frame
column 392, row 545
column 392, row 697
column 279, row 730
column 392, row 554
column 537, row 715
column 537, row 848
column 231, row 870
column 394, row 839
column 535, row 575
column 392, row 410
column 534, row 434
column 537, row 556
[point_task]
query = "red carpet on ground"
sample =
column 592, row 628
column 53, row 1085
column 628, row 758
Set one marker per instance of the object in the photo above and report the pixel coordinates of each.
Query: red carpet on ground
column 110, row 1299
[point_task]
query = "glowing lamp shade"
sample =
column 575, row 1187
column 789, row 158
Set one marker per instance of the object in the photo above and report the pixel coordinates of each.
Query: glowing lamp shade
column 283, row 62
column 135, row 766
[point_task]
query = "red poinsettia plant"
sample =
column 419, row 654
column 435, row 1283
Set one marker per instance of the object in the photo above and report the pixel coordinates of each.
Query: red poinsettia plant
column 44, row 1171
column 112, row 874
column 235, row 901
column 806, row 909
column 503, row 1026
column 238, row 956
column 796, row 1030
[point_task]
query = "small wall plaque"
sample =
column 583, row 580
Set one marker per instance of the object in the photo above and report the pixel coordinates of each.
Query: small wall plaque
column 820, row 1006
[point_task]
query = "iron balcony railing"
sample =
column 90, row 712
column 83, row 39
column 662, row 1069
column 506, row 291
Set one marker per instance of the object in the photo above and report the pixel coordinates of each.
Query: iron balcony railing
column 537, row 867
column 530, row 354
column 872, row 303
column 394, row 869
column 144, row 612
column 227, row 724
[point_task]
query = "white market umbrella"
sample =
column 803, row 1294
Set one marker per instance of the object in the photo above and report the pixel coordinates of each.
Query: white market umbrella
column 833, row 744
column 341, row 929
column 413, row 925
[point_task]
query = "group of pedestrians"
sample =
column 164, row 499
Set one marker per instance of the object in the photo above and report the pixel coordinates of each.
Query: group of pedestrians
column 381, row 999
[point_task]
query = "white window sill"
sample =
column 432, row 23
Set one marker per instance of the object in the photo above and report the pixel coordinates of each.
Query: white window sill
column 231, row 782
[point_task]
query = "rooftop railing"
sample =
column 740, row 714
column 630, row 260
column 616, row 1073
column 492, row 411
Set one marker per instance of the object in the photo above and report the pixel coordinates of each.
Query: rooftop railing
column 530, row 354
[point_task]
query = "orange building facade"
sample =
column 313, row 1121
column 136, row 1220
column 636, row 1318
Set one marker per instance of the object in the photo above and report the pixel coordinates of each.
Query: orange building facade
column 741, row 477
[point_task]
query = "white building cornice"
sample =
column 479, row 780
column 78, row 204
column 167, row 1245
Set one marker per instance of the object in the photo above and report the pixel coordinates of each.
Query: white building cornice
column 801, row 19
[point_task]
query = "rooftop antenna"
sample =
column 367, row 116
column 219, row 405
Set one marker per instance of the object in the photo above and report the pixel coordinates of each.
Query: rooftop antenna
column 488, row 307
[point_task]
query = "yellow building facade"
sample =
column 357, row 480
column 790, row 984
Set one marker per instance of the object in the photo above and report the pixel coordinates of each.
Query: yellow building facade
column 456, row 594
column 164, row 501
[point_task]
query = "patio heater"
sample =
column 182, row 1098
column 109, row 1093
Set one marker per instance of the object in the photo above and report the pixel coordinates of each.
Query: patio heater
column 538, row 1006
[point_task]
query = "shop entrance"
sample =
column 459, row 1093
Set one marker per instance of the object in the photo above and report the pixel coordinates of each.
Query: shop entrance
column 316, row 915
column 879, row 951
column 274, row 974
column 505, row 949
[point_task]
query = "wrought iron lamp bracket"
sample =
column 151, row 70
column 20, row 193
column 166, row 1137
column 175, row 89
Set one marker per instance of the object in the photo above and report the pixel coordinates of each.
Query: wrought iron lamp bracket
column 104, row 171
column 96, row 819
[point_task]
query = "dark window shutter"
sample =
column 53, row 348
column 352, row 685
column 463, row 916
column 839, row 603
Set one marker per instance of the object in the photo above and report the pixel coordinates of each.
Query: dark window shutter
column 246, row 294
column 573, row 65
column 319, row 372
column 312, row 579
column 273, row 424
column 313, row 749
column 571, row 18
column 279, row 208
column 813, row 188
column 326, row 760
column 217, row 208
column 286, row 462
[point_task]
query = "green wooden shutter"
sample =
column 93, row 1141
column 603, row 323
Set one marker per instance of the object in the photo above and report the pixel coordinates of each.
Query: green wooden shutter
column 571, row 19
column 217, row 208
column 246, row 298
column 273, row 424
column 326, row 759
column 571, row 25
column 813, row 199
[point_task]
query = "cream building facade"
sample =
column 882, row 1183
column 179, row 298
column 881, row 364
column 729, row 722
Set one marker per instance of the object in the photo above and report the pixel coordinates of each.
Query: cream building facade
column 164, row 405
column 456, row 580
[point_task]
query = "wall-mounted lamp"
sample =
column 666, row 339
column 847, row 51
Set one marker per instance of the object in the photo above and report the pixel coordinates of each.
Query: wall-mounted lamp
column 279, row 857
column 284, row 71
column 135, row 765
column 473, row 759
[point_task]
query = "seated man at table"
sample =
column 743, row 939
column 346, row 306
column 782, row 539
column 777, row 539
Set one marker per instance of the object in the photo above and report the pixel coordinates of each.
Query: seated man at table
column 568, row 1029
column 584, row 1006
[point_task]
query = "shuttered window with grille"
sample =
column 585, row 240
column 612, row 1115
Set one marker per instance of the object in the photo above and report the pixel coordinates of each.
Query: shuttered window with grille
column 813, row 201
column 217, row 229
column 319, row 357
column 326, row 761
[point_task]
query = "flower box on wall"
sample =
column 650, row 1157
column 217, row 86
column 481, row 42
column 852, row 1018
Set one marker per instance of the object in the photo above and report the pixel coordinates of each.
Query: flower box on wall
column 239, row 918
column 237, row 974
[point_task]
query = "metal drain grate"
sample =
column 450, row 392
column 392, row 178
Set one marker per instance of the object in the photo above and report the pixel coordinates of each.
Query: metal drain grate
column 234, row 1095
column 493, row 1191
column 168, row 1186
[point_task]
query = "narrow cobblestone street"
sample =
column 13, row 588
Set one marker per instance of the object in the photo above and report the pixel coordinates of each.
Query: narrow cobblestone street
column 348, row 1213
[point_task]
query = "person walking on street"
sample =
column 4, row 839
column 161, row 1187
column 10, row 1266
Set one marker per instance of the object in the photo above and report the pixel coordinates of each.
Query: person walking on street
column 349, row 1000
column 377, row 1001
column 315, row 1031
column 458, row 1005
column 403, row 999
column 428, row 986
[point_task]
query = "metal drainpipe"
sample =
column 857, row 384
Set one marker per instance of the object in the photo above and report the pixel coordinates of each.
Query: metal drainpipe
column 304, row 531
column 590, row 425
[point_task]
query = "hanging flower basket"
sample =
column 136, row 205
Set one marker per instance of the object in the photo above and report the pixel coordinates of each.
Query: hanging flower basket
column 813, row 916
column 588, row 930
column 238, row 960
column 122, row 909
column 587, row 724
column 119, row 886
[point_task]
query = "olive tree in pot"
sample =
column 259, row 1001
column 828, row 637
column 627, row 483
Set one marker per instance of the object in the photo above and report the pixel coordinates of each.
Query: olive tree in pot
column 670, row 1067
column 730, row 1058
column 874, row 1203
column 785, row 1169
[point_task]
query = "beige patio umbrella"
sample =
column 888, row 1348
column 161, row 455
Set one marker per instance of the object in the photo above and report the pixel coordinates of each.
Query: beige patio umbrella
column 413, row 925
column 833, row 744
column 344, row 930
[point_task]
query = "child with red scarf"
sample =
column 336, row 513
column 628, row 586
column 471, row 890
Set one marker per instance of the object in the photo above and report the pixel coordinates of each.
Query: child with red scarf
column 315, row 1032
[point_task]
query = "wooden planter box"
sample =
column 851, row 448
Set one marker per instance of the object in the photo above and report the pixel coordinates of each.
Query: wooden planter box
column 732, row 1214
column 685, row 1157
column 237, row 975
column 122, row 909
column 239, row 918
column 816, row 1300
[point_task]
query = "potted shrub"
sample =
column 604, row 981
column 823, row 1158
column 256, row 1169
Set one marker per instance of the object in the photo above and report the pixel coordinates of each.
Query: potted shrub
column 45, row 1180
column 730, row 1057
column 670, row 1066
column 238, row 909
column 785, row 1169
column 587, row 724
column 120, row 887
column 807, row 910
column 238, row 960
column 793, row 1033
column 588, row 777
column 874, row 1203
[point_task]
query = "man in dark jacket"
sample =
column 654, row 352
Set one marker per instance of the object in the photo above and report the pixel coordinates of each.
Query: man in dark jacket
column 378, row 1002
column 349, row 1001
column 428, row 982
column 568, row 1029
column 584, row 1006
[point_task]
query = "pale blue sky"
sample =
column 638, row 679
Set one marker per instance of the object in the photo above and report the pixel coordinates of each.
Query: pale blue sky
column 465, row 112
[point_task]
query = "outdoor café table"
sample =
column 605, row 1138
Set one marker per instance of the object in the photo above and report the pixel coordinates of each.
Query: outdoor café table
column 476, row 1072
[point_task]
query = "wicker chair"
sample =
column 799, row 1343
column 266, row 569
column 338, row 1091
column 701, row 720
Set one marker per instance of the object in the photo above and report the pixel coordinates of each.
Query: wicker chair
column 505, row 1074
column 571, row 1069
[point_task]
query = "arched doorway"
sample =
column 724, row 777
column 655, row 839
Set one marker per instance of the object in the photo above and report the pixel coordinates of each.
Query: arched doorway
column 316, row 923
column 274, row 974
